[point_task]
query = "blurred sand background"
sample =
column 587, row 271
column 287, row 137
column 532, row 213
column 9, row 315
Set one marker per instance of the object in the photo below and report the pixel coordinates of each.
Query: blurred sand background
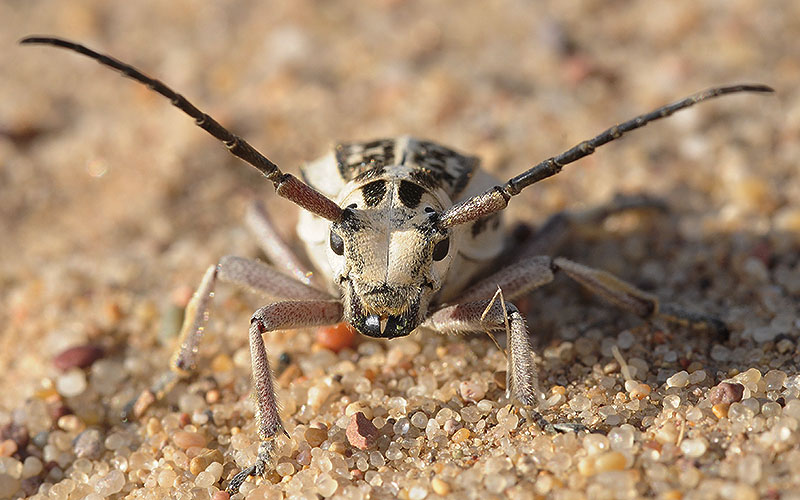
column 112, row 202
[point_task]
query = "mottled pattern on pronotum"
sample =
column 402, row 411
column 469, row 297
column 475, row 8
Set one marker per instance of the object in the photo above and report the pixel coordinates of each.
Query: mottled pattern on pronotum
column 403, row 234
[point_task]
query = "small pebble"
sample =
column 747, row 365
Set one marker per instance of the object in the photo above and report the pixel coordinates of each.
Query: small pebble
column 204, row 480
column 337, row 337
column 637, row 390
column 71, row 383
column 419, row 420
column 472, row 390
column 88, row 444
column 440, row 486
column 612, row 460
column 81, row 356
column 8, row 448
column 694, row 448
column 186, row 439
column 720, row 410
column 360, row 432
column 680, row 379
column 70, row 423
column 110, row 483
column 726, row 392
column 203, row 460
column 315, row 437
column 221, row 495
column 460, row 436
column 32, row 466
column 8, row 485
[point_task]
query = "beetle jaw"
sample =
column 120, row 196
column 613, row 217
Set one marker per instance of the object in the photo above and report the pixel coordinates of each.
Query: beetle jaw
column 384, row 312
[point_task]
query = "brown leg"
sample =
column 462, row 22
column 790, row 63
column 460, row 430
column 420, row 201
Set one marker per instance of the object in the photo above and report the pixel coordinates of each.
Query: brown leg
column 279, row 253
column 247, row 273
column 277, row 316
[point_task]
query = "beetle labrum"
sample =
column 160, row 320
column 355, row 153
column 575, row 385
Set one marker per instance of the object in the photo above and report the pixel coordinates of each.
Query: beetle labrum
column 405, row 233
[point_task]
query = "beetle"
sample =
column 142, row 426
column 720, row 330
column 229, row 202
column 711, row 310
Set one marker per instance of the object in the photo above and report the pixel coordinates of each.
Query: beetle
column 406, row 234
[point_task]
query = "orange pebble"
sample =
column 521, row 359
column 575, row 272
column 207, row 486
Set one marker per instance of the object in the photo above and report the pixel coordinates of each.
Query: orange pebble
column 336, row 337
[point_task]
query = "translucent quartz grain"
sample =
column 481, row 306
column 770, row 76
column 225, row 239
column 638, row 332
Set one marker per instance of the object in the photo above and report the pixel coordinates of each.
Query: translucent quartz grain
column 579, row 403
column 401, row 426
column 672, row 402
column 680, row 379
column 326, row 485
column 621, row 438
column 204, row 480
column 596, row 443
column 110, row 483
column 419, row 420
column 774, row 379
column 470, row 414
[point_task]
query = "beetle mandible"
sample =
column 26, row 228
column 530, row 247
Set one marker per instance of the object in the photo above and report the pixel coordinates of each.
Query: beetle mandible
column 405, row 233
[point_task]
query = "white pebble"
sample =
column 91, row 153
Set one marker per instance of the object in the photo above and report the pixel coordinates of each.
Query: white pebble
column 72, row 383
column 680, row 379
column 31, row 467
column 204, row 480
column 417, row 493
column 694, row 447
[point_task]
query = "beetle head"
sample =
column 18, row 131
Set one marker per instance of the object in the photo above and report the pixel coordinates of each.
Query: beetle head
column 389, row 256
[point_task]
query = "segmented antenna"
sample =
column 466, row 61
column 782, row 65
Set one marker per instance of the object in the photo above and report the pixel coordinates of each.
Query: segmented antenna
column 553, row 165
column 286, row 185
column 497, row 197
column 236, row 145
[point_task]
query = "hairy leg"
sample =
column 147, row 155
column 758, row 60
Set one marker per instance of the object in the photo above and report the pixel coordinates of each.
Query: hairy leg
column 247, row 273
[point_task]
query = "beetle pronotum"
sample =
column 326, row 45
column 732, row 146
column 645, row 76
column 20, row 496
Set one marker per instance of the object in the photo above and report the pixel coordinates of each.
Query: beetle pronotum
column 406, row 234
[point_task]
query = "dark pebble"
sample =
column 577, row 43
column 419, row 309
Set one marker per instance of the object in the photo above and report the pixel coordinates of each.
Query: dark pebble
column 726, row 392
column 361, row 432
column 81, row 356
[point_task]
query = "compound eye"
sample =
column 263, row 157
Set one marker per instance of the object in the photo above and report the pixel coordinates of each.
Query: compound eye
column 337, row 244
column 440, row 249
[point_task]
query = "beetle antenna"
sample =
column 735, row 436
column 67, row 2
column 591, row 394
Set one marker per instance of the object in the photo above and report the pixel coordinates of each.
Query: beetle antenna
column 286, row 185
column 496, row 198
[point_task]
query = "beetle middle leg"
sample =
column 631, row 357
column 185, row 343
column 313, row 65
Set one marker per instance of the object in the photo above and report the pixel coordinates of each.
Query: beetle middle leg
column 530, row 273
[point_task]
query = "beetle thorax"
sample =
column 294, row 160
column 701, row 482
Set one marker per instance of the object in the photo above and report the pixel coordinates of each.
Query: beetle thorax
column 388, row 255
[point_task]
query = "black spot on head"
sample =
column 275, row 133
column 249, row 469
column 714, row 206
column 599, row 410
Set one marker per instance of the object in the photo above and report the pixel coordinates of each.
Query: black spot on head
column 373, row 192
column 350, row 221
column 410, row 194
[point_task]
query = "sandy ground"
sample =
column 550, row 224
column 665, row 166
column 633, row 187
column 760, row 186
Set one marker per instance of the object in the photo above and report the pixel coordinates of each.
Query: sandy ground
column 112, row 205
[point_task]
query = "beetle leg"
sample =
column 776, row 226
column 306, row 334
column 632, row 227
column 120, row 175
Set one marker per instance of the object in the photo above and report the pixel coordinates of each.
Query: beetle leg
column 494, row 315
column 276, row 316
column 270, row 241
column 246, row 273
column 639, row 302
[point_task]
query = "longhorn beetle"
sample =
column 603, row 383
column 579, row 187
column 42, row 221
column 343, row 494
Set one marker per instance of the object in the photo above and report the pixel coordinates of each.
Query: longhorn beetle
column 406, row 234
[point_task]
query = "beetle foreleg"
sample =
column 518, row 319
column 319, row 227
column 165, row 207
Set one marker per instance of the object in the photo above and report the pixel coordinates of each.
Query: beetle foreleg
column 277, row 316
